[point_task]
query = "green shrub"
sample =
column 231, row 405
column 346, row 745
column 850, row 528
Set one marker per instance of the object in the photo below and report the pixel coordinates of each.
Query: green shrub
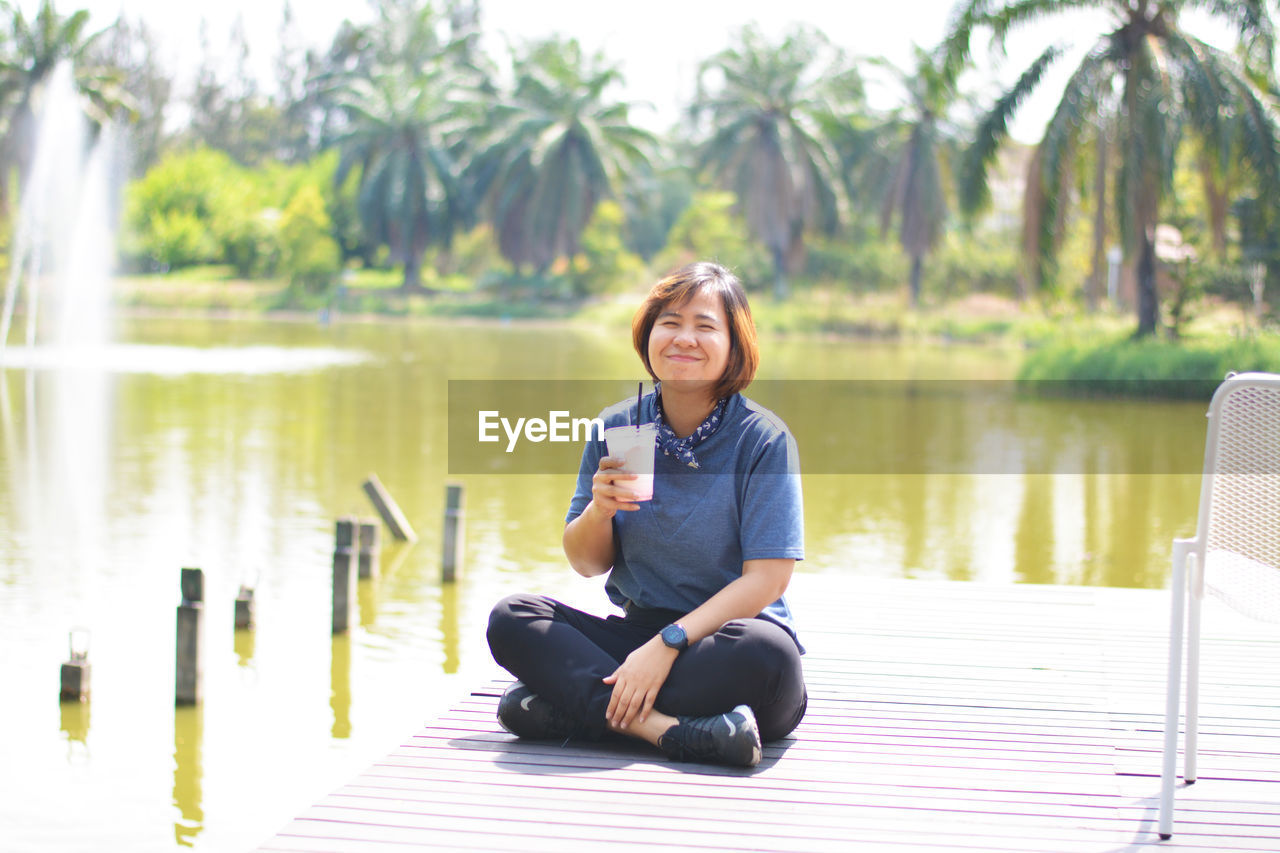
column 1146, row 368
column 248, row 238
column 708, row 230
column 179, row 196
column 605, row 264
column 309, row 255
column 238, row 211
column 171, row 239
column 964, row 265
column 871, row 266
column 473, row 254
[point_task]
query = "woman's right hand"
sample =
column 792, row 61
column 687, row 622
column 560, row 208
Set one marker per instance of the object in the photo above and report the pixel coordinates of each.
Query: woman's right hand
column 590, row 540
column 609, row 491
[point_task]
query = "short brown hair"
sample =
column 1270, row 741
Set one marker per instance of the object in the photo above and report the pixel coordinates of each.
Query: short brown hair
column 676, row 289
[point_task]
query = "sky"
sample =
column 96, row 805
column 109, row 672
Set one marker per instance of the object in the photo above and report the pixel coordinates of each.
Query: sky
column 656, row 43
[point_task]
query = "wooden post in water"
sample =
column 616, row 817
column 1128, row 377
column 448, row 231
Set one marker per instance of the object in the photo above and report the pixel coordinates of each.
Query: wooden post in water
column 344, row 574
column 451, row 560
column 190, row 666
column 244, row 608
column 75, row 681
column 76, row 671
column 370, row 547
column 389, row 510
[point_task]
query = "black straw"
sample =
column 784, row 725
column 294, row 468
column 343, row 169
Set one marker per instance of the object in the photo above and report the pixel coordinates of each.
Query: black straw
column 639, row 394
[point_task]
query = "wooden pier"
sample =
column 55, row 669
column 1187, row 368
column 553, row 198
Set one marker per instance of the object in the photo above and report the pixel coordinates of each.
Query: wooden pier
column 942, row 716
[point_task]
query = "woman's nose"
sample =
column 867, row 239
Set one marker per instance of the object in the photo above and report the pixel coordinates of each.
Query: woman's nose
column 686, row 338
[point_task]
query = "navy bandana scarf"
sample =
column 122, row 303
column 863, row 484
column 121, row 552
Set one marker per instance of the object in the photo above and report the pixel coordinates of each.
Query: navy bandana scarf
column 681, row 449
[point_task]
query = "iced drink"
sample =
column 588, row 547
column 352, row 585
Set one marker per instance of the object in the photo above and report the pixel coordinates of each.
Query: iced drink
column 635, row 447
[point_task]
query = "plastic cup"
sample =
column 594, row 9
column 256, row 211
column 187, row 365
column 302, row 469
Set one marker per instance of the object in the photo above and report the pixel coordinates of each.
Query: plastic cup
column 635, row 447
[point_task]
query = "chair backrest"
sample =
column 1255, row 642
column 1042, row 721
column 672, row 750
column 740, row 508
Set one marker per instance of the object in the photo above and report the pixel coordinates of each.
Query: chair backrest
column 1239, row 524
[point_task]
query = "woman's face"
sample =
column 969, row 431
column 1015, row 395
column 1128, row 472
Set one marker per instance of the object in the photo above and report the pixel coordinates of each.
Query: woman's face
column 690, row 341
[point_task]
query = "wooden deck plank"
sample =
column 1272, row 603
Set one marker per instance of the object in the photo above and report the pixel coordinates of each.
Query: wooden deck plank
column 480, row 787
column 943, row 716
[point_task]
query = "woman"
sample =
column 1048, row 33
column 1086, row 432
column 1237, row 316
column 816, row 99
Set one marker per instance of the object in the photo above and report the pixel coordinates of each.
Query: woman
column 705, row 662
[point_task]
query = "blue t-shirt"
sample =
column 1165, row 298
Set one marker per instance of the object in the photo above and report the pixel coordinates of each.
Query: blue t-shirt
column 743, row 502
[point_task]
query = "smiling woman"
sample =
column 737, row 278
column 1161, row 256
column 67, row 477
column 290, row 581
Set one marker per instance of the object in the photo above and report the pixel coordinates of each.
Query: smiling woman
column 690, row 341
column 696, row 324
column 705, row 663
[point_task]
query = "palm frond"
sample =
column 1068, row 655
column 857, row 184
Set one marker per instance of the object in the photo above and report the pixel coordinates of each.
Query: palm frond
column 1018, row 14
column 1251, row 20
column 973, row 190
column 956, row 49
column 1056, row 154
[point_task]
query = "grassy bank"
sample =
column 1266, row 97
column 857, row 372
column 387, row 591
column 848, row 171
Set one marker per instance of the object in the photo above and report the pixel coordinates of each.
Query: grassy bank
column 1147, row 368
column 980, row 319
column 1060, row 352
column 205, row 290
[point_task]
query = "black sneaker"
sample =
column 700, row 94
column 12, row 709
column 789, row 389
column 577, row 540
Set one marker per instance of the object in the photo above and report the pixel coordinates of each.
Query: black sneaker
column 526, row 714
column 731, row 738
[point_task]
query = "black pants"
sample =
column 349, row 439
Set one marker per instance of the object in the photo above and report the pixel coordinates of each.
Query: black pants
column 562, row 654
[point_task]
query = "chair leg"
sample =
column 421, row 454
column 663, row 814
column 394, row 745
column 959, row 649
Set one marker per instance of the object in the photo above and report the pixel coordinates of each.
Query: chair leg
column 1169, row 770
column 1191, row 749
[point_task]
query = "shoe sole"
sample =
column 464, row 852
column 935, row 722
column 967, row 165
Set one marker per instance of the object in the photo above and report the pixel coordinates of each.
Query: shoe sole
column 753, row 758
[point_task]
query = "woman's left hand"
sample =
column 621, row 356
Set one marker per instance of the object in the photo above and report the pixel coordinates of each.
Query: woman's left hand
column 636, row 683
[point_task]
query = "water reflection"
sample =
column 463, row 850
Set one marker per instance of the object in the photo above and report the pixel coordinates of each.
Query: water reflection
column 110, row 481
column 340, row 686
column 74, row 724
column 179, row 360
column 398, row 552
column 449, row 626
column 1033, row 540
column 367, row 600
column 1096, row 529
column 243, row 643
column 964, row 426
column 188, row 773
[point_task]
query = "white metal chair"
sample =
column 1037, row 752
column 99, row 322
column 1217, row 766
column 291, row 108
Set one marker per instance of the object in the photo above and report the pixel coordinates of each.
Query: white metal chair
column 1235, row 553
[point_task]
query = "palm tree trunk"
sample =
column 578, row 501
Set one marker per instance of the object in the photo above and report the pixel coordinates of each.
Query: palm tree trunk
column 1142, row 196
column 1148, row 301
column 1215, row 193
column 779, row 273
column 412, row 274
column 1093, row 285
column 917, row 271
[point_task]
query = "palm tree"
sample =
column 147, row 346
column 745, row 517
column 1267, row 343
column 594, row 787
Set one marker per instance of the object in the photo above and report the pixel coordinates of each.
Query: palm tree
column 915, row 193
column 1155, row 81
column 29, row 53
column 402, row 135
column 407, row 103
column 555, row 148
column 766, row 142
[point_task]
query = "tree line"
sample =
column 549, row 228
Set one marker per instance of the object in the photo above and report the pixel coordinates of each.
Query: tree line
column 403, row 144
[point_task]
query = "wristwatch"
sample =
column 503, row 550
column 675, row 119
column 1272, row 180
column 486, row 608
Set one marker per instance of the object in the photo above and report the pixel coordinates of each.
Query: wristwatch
column 675, row 637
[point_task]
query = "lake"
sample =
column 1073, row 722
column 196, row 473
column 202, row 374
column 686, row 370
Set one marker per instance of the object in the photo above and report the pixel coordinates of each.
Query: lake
column 234, row 445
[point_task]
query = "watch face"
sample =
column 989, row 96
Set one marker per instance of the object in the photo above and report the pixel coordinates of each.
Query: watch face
column 674, row 636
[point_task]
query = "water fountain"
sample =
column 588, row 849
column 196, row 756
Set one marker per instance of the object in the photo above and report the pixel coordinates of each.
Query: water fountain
column 62, row 246
column 55, row 443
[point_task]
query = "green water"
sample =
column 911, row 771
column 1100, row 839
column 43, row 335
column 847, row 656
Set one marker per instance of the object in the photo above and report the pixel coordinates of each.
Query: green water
column 233, row 446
